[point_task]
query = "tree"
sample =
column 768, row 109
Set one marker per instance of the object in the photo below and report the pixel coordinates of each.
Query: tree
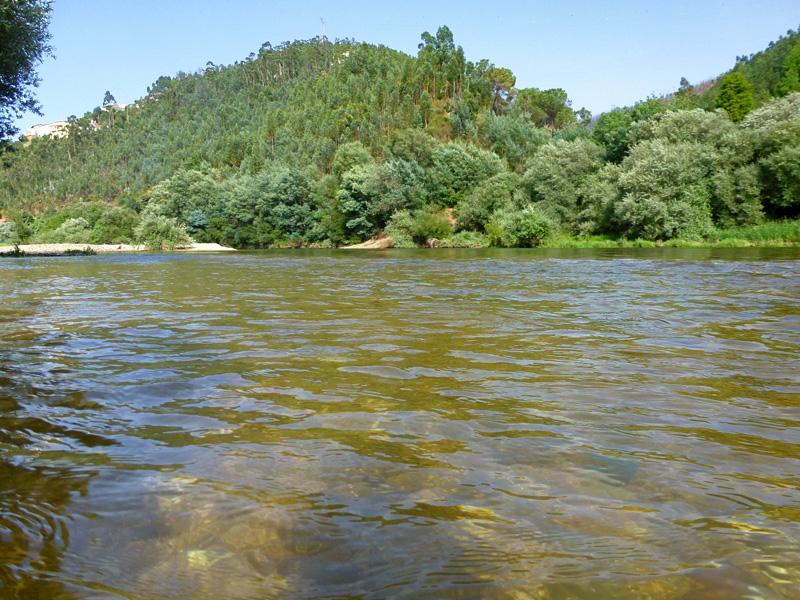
column 584, row 116
column 457, row 169
column 611, row 131
column 547, row 108
column 512, row 136
column 555, row 176
column 695, row 125
column 783, row 175
column 393, row 186
column 24, row 41
column 349, row 156
column 735, row 96
column 412, row 145
column 108, row 99
column 498, row 192
column 355, row 203
column 665, row 191
column 502, row 81
column 790, row 80
column 775, row 128
column 441, row 63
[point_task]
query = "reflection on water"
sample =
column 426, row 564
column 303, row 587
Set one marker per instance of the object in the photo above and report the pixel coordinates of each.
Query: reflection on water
column 34, row 495
column 461, row 424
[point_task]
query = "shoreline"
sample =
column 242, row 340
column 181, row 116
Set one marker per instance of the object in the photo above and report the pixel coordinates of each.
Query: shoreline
column 585, row 244
column 59, row 250
column 86, row 249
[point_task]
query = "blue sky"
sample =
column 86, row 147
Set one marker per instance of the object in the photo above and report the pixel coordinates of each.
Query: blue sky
column 604, row 54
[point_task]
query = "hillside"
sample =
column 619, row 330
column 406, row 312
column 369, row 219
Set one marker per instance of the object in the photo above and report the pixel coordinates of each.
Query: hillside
column 319, row 142
column 775, row 71
column 294, row 103
column 220, row 117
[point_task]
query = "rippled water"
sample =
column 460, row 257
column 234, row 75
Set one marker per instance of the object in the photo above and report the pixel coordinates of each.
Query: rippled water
column 465, row 424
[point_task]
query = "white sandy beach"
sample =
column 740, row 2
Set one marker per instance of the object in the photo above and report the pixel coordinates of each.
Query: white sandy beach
column 57, row 249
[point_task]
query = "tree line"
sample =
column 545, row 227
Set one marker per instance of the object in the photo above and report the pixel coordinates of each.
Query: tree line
column 328, row 143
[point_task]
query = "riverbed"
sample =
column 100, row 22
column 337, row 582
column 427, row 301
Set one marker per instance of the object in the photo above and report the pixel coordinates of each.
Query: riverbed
column 411, row 424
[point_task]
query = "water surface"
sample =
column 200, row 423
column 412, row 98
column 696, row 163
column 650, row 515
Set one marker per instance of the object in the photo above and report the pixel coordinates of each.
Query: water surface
column 419, row 424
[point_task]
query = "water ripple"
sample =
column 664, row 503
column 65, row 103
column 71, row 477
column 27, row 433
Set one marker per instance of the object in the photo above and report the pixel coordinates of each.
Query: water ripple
column 616, row 424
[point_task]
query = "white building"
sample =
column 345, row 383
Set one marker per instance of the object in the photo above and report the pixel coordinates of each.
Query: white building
column 59, row 129
column 116, row 106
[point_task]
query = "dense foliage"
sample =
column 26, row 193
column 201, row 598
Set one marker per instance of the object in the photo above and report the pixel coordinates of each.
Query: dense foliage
column 24, row 40
column 320, row 143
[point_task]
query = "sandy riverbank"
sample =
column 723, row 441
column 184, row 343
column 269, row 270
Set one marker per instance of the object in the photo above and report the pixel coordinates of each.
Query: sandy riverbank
column 380, row 243
column 60, row 249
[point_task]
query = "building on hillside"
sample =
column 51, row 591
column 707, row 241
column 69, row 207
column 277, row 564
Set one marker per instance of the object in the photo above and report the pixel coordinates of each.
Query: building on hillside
column 59, row 129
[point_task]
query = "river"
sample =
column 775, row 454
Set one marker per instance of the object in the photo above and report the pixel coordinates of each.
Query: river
column 401, row 424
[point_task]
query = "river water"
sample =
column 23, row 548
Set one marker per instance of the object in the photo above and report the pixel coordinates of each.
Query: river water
column 401, row 424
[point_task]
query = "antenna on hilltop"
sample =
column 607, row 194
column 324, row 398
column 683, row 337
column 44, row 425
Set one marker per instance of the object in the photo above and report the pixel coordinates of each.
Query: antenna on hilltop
column 322, row 37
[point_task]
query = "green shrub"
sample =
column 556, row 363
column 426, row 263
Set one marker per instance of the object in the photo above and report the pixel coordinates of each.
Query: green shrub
column 774, row 113
column 159, row 233
column 775, row 130
column 524, row 228
column 409, row 229
column 497, row 192
column 429, row 225
column 93, row 222
column 466, row 239
column 9, row 234
column 278, row 205
column 72, row 231
column 115, row 226
column 399, row 229
column 653, row 219
column 46, row 223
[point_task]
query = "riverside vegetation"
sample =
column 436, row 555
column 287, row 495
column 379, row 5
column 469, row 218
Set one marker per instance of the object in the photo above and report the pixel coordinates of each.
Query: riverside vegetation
column 320, row 143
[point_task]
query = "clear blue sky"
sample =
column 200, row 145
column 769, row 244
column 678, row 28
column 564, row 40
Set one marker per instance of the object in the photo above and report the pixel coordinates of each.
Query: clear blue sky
column 604, row 54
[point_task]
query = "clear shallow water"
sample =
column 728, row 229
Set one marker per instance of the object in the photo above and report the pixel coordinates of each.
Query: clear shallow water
column 444, row 424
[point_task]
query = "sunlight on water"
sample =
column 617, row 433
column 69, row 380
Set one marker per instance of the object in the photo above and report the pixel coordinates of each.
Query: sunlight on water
column 458, row 424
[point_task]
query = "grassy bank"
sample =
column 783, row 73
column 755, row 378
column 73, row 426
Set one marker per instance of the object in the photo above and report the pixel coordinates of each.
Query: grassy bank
column 775, row 234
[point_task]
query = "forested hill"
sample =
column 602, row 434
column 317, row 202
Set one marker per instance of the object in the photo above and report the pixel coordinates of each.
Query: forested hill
column 295, row 103
column 775, row 71
column 292, row 103
column 319, row 142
